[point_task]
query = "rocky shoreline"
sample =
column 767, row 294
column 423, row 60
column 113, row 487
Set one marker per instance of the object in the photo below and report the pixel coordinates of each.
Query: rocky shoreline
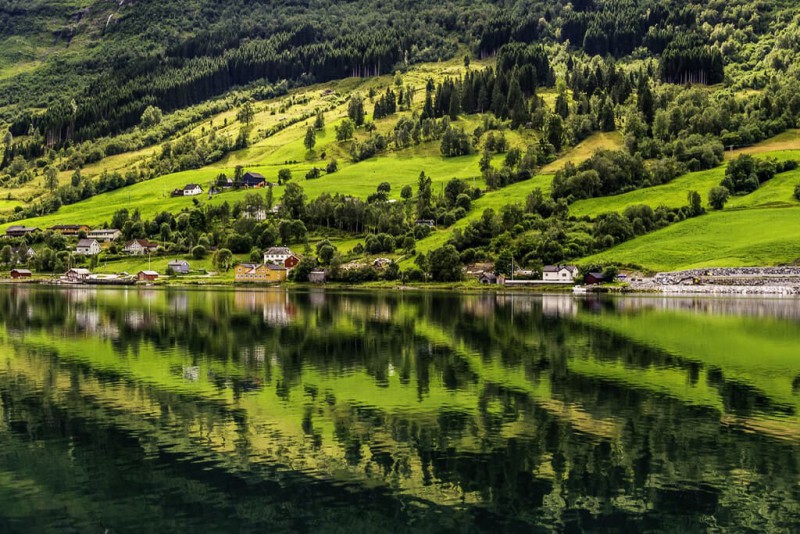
column 724, row 281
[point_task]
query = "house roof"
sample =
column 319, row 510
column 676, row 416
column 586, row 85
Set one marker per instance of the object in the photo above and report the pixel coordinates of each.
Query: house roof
column 191, row 186
column 19, row 228
column 68, row 227
column 178, row 262
column 149, row 273
column 275, row 268
column 142, row 243
column 557, row 268
column 101, row 231
column 279, row 250
column 254, row 175
column 80, row 271
column 596, row 275
column 86, row 242
column 21, row 271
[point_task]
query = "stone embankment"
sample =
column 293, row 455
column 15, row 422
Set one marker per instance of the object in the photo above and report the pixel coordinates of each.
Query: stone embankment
column 725, row 281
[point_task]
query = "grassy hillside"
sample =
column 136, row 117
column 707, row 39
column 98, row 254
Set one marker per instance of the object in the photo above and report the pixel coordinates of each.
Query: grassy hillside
column 731, row 238
column 777, row 192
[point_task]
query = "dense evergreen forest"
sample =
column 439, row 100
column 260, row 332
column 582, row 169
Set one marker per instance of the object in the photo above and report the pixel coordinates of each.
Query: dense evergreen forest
column 174, row 55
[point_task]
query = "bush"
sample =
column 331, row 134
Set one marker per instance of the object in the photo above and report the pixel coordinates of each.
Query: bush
column 797, row 192
column 199, row 252
column 718, row 197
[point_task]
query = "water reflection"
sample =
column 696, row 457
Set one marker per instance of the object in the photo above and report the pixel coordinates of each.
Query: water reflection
column 317, row 410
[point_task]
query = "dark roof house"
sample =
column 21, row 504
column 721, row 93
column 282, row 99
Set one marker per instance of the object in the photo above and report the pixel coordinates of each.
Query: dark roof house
column 253, row 179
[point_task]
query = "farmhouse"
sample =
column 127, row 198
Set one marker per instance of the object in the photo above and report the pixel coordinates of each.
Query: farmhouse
column 560, row 273
column 191, row 190
column 139, row 247
column 259, row 274
column 105, row 235
column 179, row 266
column 253, row 179
column 88, row 247
column 70, row 229
column 16, row 274
column 20, row 231
column 147, row 276
column 280, row 256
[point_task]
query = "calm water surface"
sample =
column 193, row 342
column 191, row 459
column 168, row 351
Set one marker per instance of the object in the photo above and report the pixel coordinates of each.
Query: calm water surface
column 186, row 411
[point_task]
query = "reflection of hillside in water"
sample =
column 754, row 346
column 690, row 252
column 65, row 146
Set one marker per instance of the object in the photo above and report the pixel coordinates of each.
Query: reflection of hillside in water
column 507, row 403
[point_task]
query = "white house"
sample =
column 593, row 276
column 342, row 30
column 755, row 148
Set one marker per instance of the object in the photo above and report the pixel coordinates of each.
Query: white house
column 88, row 247
column 277, row 255
column 139, row 247
column 191, row 190
column 23, row 254
column 105, row 235
column 559, row 273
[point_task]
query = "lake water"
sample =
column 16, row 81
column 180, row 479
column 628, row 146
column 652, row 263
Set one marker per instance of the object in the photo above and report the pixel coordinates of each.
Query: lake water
column 312, row 411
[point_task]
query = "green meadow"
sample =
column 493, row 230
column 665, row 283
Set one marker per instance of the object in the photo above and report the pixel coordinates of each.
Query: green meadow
column 729, row 238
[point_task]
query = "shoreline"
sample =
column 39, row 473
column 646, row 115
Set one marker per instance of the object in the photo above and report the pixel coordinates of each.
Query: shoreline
column 714, row 290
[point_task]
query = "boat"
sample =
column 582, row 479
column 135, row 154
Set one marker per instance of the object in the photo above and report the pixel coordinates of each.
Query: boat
column 579, row 290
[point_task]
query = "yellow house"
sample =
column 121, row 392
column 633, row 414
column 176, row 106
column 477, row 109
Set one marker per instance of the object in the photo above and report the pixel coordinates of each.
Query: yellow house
column 259, row 274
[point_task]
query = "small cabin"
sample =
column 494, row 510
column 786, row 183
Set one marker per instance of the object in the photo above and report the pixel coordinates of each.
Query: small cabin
column 147, row 276
column 593, row 279
column 487, row 278
column 16, row 274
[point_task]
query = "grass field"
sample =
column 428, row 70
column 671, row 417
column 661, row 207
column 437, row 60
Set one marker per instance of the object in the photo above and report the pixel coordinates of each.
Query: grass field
column 776, row 192
column 730, row 238
column 585, row 149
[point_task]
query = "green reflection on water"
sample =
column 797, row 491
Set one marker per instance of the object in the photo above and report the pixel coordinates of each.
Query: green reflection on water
column 336, row 411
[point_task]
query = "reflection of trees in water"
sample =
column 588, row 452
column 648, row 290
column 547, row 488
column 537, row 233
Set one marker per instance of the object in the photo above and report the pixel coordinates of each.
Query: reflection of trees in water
column 521, row 456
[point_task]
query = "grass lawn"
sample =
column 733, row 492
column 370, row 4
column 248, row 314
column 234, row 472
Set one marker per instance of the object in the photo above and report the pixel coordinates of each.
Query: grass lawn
column 777, row 191
column 672, row 194
column 585, row 149
column 730, row 238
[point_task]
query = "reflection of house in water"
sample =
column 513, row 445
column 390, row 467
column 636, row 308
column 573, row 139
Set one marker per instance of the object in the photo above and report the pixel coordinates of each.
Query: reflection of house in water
column 381, row 312
column 275, row 306
column 87, row 320
column 316, row 297
column 135, row 319
column 80, row 294
column 179, row 302
column 559, row 306
column 479, row 306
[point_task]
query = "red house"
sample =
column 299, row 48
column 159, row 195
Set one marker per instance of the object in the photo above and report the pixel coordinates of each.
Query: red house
column 291, row 262
column 147, row 276
column 20, row 273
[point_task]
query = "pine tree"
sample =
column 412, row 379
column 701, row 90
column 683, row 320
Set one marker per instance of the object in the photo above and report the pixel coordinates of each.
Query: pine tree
column 311, row 138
